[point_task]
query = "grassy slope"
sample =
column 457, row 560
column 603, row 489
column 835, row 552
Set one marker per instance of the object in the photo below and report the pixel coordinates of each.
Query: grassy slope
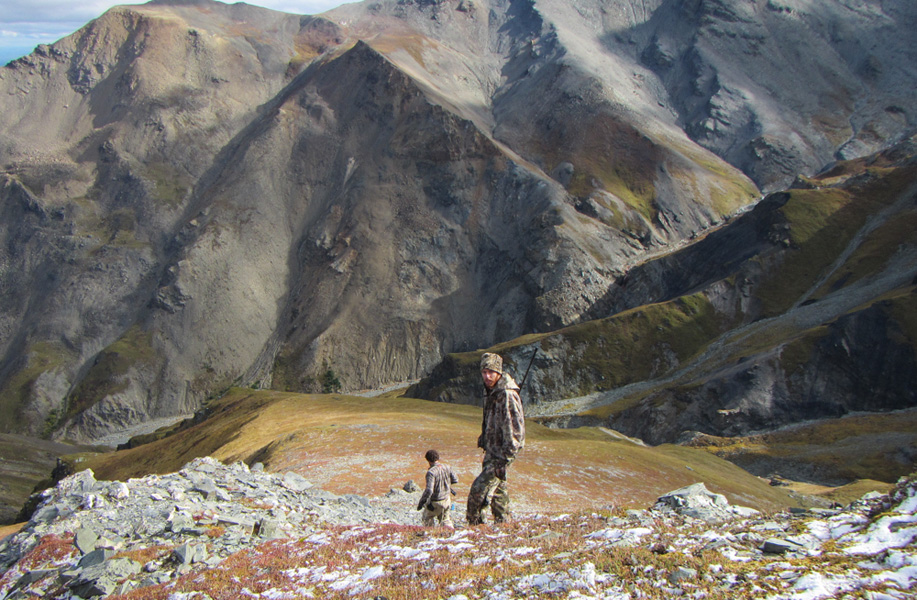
column 858, row 447
column 24, row 462
column 640, row 344
column 823, row 221
column 844, row 494
column 369, row 445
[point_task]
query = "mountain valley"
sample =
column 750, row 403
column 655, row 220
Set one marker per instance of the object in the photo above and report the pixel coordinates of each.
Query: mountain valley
column 695, row 220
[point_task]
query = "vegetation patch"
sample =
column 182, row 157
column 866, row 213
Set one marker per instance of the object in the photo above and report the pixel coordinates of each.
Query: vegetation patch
column 607, row 154
column 414, row 44
column 796, row 354
column 287, row 374
column 627, row 347
column 40, row 357
column 170, row 185
column 25, row 465
column 729, row 188
column 606, row 412
column 904, row 311
column 107, row 375
column 50, row 549
column 874, row 252
column 823, row 222
column 325, row 438
column 858, row 447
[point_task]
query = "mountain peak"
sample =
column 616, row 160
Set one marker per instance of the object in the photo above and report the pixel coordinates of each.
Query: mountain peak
column 247, row 197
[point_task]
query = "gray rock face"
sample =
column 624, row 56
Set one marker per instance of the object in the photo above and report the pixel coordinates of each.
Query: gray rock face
column 779, row 317
column 102, row 579
column 271, row 212
column 732, row 69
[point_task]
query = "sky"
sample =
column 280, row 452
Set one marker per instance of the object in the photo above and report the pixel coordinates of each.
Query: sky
column 26, row 23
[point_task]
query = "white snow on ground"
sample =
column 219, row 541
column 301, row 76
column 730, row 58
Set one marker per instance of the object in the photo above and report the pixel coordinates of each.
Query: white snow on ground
column 866, row 550
column 894, row 530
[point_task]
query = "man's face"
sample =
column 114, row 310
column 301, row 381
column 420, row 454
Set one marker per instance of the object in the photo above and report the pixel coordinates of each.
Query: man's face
column 490, row 377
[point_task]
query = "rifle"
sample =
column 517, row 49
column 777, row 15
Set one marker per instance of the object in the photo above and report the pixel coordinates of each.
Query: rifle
column 524, row 377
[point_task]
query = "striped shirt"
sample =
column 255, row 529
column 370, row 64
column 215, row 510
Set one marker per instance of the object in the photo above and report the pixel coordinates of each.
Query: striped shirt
column 440, row 479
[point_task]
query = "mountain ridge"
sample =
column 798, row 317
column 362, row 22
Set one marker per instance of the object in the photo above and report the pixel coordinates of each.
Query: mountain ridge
column 224, row 195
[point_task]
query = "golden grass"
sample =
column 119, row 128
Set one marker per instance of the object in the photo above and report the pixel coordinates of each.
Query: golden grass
column 844, row 494
column 857, row 447
column 8, row 530
column 367, row 446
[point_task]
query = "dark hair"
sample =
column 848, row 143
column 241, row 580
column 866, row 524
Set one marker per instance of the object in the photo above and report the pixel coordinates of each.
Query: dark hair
column 432, row 456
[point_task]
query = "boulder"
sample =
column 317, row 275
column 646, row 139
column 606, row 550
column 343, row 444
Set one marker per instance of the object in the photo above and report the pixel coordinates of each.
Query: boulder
column 698, row 502
column 104, row 578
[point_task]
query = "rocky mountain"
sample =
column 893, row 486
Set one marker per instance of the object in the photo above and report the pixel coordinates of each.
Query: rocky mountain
column 799, row 310
column 198, row 195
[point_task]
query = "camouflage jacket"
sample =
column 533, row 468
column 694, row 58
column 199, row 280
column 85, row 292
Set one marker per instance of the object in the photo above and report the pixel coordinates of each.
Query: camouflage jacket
column 503, row 427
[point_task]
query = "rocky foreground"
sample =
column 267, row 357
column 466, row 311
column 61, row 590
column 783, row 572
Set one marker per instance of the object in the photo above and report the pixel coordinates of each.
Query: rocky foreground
column 224, row 531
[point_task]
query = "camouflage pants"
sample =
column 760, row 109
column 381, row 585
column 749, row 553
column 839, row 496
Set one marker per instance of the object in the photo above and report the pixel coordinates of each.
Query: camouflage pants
column 437, row 511
column 489, row 488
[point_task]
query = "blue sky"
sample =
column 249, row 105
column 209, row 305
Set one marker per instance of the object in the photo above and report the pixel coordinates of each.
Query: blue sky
column 26, row 23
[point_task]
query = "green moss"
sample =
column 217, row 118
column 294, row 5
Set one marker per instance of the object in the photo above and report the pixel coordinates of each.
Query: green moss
column 796, row 354
column 810, row 211
column 904, row 311
column 634, row 345
column 617, row 220
column 611, row 155
column 874, row 252
column 823, row 222
column 634, row 187
column 170, row 186
column 40, row 357
column 106, row 376
column 120, row 225
column 288, row 375
column 731, row 189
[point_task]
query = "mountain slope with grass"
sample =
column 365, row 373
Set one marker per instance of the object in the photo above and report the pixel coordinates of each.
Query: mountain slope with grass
column 369, row 446
column 198, row 195
column 801, row 309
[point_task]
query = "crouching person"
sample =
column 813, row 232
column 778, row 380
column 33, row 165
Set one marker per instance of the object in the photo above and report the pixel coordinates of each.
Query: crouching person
column 436, row 500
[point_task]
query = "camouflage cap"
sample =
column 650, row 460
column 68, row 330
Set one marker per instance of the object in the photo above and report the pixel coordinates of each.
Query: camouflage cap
column 492, row 362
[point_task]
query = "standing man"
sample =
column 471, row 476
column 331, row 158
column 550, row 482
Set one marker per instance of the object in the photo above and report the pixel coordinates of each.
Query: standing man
column 502, row 436
column 436, row 499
